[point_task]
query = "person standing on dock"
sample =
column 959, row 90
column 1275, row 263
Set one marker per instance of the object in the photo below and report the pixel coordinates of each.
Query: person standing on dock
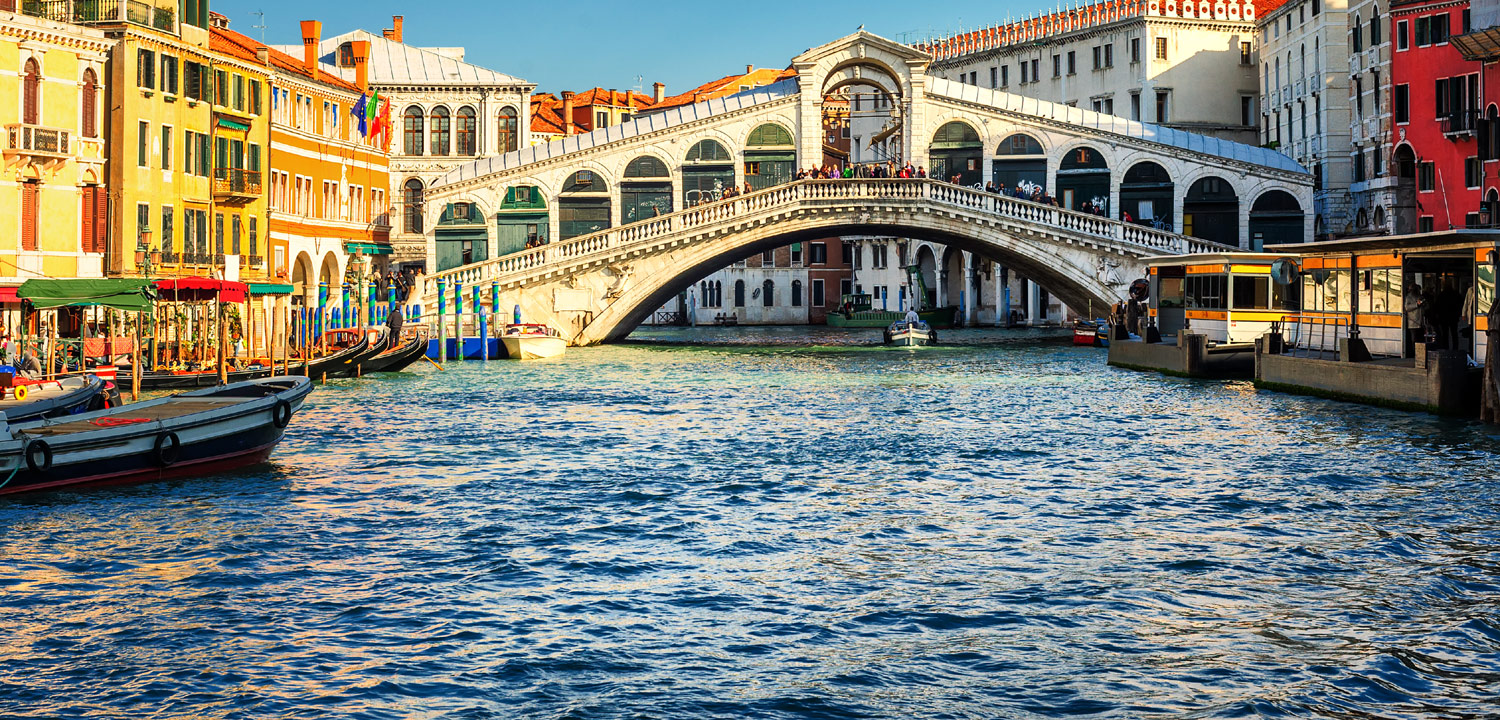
column 1415, row 307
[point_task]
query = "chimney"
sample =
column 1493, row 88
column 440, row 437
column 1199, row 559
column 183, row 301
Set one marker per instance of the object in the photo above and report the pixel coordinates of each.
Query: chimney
column 396, row 22
column 749, row 69
column 613, row 95
column 312, row 34
column 567, row 112
column 658, row 92
column 263, row 55
column 361, row 50
column 388, row 34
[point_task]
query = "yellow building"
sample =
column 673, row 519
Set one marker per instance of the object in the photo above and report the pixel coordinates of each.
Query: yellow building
column 189, row 131
column 53, row 203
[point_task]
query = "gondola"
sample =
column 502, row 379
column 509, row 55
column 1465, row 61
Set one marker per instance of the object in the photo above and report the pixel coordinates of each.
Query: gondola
column 400, row 357
column 180, row 380
column 332, row 364
column 191, row 434
column 354, row 365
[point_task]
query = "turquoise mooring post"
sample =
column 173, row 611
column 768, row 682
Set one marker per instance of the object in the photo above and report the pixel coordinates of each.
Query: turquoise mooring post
column 458, row 320
column 483, row 324
column 345, row 319
column 318, row 317
column 495, row 315
column 442, row 327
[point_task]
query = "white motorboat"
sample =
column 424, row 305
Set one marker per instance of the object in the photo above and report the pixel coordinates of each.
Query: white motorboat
column 910, row 334
column 532, row 342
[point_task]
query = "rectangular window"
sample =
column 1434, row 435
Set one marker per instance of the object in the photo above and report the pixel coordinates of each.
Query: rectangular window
column 1109, row 55
column 145, row 69
column 1245, row 57
column 1472, row 173
column 1399, row 104
column 818, row 254
column 1161, row 106
column 166, row 148
column 1375, row 31
column 1056, row 66
column 1358, row 33
column 1072, row 62
column 255, row 98
column 143, row 146
column 1098, row 57
column 1036, row 65
column 1439, row 31
column 1024, row 69
column 234, row 236
column 30, row 214
column 221, row 88
column 1401, row 35
column 1425, row 174
column 169, row 74
column 1424, row 31
column 254, row 157
column 254, row 236
column 1247, row 110
column 218, row 233
column 1135, row 50
column 1161, row 48
column 239, row 92
column 166, row 237
column 142, row 218
column 1004, row 75
column 1424, row 224
column 994, row 77
column 1135, row 106
column 817, row 294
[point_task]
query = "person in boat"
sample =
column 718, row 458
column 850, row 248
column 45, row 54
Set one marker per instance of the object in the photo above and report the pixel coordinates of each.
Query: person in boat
column 912, row 316
column 30, row 366
column 395, row 320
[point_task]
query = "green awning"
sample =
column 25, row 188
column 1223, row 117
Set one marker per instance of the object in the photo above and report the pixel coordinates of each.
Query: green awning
column 367, row 248
column 131, row 294
column 270, row 289
column 232, row 124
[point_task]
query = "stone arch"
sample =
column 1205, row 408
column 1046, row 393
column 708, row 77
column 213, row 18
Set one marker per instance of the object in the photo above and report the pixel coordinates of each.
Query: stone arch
column 956, row 149
column 1147, row 193
column 1020, row 160
column 926, row 261
column 1276, row 217
column 707, row 170
column 1211, row 210
column 304, row 281
column 331, row 277
column 770, row 151
column 645, row 188
column 1083, row 176
column 951, row 278
column 1073, row 280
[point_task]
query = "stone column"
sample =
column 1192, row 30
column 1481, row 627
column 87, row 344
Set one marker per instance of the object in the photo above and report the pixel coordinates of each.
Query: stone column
column 1030, row 289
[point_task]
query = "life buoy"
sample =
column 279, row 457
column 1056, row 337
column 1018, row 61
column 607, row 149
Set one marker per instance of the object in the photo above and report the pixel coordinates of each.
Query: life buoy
column 21, row 392
column 168, row 449
column 281, row 413
column 34, row 448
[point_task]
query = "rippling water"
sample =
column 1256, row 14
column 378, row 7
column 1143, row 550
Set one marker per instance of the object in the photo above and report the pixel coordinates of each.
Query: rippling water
column 733, row 524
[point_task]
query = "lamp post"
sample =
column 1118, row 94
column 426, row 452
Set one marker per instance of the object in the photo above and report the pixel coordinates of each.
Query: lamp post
column 146, row 258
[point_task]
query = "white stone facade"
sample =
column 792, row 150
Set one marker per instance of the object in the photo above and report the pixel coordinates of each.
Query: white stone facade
column 1304, row 66
column 1119, row 59
column 1373, row 185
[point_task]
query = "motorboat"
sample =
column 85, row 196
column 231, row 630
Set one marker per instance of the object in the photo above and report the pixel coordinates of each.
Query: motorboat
column 910, row 334
column 532, row 342
column 191, row 434
column 25, row 400
column 1094, row 333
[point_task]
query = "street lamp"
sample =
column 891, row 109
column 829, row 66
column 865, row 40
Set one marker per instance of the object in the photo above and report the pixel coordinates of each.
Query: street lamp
column 146, row 256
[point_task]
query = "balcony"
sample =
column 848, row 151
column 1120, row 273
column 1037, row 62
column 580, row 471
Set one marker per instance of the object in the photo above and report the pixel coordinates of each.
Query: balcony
column 48, row 145
column 105, row 12
column 1459, row 125
column 236, row 186
column 255, row 261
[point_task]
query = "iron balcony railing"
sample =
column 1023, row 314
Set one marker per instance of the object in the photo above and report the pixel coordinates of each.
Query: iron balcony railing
column 35, row 139
column 237, row 182
column 1462, row 122
column 88, row 12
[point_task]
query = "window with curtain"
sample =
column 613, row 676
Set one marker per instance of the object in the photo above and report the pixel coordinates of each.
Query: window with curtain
column 412, row 131
column 509, row 138
column 413, row 205
column 468, row 128
column 441, row 131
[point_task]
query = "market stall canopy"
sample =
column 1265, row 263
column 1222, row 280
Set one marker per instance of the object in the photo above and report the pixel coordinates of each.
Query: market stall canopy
column 130, row 294
column 202, row 289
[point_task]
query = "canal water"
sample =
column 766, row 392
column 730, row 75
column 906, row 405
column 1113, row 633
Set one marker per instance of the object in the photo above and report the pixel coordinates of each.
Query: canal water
column 737, row 523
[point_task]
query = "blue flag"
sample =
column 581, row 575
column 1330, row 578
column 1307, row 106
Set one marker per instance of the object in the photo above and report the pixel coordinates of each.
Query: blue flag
column 359, row 111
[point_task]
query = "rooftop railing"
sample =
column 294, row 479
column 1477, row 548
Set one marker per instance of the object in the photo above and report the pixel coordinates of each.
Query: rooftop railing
column 99, row 12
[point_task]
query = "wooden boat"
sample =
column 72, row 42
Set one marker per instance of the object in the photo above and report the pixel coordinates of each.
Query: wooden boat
column 355, row 365
column 191, row 434
column 183, row 379
column 1093, row 333
column 910, row 334
column 532, row 342
column 332, row 364
column 399, row 357
column 34, row 400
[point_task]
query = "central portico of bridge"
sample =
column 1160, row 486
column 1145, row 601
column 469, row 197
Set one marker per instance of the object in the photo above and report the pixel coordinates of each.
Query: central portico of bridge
column 622, row 219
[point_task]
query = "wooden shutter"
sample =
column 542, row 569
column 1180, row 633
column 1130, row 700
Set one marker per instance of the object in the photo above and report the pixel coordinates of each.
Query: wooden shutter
column 28, row 215
column 32, row 87
column 101, row 219
column 90, row 103
column 86, row 237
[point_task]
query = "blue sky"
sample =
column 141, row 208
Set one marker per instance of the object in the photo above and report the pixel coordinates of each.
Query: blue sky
column 586, row 43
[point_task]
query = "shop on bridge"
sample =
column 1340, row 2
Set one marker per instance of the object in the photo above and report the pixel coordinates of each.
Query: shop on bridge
column 1146, row 195
column 646, row 190
column 1020, row 162
column 1211, row 211
column 1083, row 180
column 521, row 221
column 770, row 157
column 707, row 172
column 460, row 236
column 957, row 151
column 583, row 206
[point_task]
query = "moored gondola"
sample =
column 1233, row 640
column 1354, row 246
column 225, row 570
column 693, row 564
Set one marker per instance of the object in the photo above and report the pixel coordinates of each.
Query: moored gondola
column 191, row 434
column 399, row 357
column 331, row 364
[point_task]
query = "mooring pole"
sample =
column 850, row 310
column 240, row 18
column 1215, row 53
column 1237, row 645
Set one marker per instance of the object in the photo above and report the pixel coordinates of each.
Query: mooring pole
column 442, row 325
column 483, row 325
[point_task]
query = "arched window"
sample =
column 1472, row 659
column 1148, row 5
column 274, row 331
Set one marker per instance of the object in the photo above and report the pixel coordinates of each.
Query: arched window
column 796, row 293
column 90, row 104
column 769, row 134
column 585, row 181
column 412, row 131
column 412, row 199
column 1019, row 144
column 441, row 131
column 718, row 293
column 468, row 131
column 768, row 293
column 508, row 135
column 708, row 151
column 739, row 293
column 646, row 166
column 346, row 55
column 31, row 93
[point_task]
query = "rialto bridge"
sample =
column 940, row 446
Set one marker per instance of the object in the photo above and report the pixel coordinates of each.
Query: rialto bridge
column 623, row 219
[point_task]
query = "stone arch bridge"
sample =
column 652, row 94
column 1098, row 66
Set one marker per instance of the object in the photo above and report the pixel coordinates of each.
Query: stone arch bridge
column 630, row 215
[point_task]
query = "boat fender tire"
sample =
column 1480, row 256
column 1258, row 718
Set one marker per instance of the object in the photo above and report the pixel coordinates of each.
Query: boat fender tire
column 21, row 392
column 38, row 456
column 281, row 413
column 932, row 336
column 168, row 449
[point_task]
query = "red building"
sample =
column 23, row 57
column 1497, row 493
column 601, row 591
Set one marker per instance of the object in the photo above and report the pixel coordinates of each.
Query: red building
column 1439, row 100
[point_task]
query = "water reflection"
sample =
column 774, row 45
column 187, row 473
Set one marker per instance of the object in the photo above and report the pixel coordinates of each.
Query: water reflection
column 751, row 528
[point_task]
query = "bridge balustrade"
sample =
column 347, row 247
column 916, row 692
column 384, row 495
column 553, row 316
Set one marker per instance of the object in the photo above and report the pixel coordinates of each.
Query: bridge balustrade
column 747, row 206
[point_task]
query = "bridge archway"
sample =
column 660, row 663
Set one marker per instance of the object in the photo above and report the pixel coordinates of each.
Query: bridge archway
column 952, row 280
column 1020, row 161
column 1211, row 211
column 1075, row 282
column 1276, row 218
column 707, row 171
column 1083, row 179
column 1146, row 193
column 645, row 190
column 583, row 206
column 956, row 151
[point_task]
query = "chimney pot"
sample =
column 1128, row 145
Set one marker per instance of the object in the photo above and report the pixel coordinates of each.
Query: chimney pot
column 361, row 50
column 312, row 34
column 749, row 69
column 263, row 55
column 567, row 113
column 396, row 22
column 658, row 92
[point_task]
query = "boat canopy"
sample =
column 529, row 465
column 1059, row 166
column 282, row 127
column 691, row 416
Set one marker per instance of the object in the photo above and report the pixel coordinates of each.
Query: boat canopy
column 129, row 294
column 202, row 289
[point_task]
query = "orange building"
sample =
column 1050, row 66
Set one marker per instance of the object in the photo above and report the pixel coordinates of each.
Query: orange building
column 554, row 117
column 328, row 179
column 723, row 87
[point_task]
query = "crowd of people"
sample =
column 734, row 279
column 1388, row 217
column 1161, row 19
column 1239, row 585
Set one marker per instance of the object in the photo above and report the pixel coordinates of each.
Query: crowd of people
column 1439, row 318
column 863, row 171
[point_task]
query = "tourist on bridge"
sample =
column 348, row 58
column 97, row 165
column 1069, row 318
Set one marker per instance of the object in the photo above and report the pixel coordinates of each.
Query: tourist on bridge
column 922, row 171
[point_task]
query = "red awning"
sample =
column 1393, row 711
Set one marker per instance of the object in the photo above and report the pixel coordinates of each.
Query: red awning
column 8, row 295
column 201, row 289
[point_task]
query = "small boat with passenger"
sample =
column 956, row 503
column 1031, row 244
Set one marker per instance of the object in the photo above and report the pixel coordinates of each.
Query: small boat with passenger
column 910, row 333
column 195, row 433
column 532, row 342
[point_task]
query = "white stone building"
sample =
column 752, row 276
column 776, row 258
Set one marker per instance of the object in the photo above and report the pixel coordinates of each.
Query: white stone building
column 1372, row 186
column 446, row 113
column 1304, row 68
column 1182, row 64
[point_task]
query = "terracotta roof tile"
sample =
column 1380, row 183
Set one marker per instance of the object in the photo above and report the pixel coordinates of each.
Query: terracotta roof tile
column 725, row 86
column 243, row 47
